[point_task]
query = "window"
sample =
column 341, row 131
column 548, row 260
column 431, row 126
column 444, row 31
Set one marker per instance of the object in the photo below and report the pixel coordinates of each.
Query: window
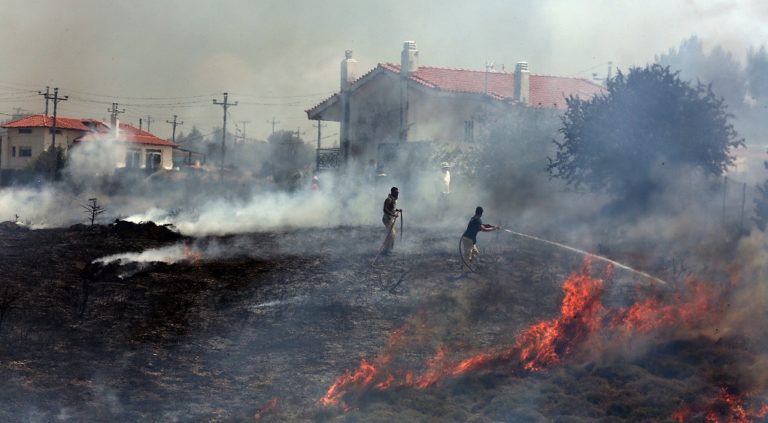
column 25, row 130
column 58, row 131
column 13, row 151
column 133, row 158
column 469, row 131
column 25, row 151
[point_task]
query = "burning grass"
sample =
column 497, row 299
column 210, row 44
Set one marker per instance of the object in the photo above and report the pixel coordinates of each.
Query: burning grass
column 265, row 334
column 585, row 329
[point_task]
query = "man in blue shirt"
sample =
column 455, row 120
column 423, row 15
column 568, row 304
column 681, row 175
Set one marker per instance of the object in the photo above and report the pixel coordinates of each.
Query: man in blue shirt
column 469, row 239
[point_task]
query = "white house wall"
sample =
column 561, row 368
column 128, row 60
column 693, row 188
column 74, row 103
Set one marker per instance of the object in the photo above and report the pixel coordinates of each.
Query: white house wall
column 39, row 140
column 166, row 154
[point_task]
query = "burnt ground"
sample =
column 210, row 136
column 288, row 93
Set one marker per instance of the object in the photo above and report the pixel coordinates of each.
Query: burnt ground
column 284, row 314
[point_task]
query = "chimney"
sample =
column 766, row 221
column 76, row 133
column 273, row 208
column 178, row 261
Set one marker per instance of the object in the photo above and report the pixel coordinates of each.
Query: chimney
column 522, row 84
column 348, row 71
column 409, row 58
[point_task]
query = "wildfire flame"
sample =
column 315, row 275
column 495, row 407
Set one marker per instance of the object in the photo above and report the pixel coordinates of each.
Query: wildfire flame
column 269, row 407
column 725, row 407
column 543, row 344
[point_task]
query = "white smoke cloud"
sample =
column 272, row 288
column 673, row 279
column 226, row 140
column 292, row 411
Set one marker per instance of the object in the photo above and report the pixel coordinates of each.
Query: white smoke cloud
column 89, row 161
column 38, row 207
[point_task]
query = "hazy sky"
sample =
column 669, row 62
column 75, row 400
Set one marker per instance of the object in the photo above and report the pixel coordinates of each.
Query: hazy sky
column 162, row 58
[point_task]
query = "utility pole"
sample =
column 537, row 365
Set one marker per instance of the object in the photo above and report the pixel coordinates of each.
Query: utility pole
column 45, row 94
column 273, row 122
column 244, row 122
column 174, row 123
column 149, row 121
column 114, row 111
column 140, row 124
column 56, row 99
column 225, row 105
column 319, row 127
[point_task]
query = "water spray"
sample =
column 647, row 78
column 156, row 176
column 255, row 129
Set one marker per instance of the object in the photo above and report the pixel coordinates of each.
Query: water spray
column 587, row 253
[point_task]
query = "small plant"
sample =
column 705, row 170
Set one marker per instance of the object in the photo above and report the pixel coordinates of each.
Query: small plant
column 93, row 209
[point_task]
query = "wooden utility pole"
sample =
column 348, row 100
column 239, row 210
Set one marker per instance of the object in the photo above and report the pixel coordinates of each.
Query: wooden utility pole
column 45, row 94
column 274, row 123
column 225, row 105
column 174, row 123
column 319, row 127
column 725, row 191
column 244, row 122
column 743, row 203
column 56, row 99
column 114, row 111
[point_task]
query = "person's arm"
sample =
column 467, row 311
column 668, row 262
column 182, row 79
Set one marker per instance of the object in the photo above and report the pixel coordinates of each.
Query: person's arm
column 488, row 228
column 389, row 208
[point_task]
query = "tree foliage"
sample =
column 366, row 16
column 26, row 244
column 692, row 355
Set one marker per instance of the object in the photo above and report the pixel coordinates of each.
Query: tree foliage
column 290, row 158
column 49, row 163
column 761, row 207
column 718, row 68
column 757, row 73
column 646, row 121
column 512, row 158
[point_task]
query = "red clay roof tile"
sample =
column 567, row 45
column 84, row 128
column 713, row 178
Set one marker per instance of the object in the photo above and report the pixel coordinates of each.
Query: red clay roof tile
column 128, row 133
column 545, row 91
column 42, row 121
column 92, row 129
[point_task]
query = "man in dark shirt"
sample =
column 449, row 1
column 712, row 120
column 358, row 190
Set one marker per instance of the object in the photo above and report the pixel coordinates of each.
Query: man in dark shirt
column 391, row 212
column 469, row 239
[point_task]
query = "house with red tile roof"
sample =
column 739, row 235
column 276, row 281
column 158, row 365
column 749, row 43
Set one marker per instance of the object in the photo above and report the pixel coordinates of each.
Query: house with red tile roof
column 142, row 149
column 26, row 138
column 395, row 103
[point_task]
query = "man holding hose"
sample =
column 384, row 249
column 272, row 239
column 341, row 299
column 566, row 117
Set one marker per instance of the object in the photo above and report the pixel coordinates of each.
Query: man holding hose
column 469, row 239
column 391, row 213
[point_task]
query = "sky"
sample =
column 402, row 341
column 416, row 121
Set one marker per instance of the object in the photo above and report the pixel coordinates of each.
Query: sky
column 277, row 58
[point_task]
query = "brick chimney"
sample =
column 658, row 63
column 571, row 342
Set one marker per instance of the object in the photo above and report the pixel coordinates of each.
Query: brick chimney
column 409, row 58
column 348, row 70
column 522, row 84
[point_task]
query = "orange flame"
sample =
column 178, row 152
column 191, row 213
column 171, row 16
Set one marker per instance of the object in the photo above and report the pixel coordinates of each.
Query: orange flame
column 267, row 408
column 725, row 407
column 350, row 381
column 192, row 255
column 546, row 343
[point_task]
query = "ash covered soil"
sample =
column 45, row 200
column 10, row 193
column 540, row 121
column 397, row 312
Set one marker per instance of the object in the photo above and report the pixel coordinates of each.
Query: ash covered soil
column 262, row 332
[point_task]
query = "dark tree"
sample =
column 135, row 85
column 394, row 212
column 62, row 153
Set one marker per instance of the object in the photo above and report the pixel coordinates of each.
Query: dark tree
column 512, row 155
column 290, row 157
column 718, row 68
column 647, row 122
column 761, row 207
column 50, row 163
column 757, row 73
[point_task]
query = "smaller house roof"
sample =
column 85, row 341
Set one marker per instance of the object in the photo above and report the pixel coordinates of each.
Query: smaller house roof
column 43, row 121
column 127, row 133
